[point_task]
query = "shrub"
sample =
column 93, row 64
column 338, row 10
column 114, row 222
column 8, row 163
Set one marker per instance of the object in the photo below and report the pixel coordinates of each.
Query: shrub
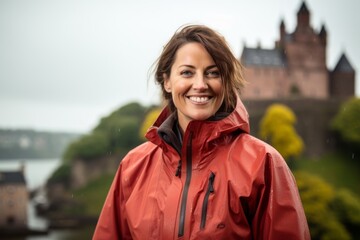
column 277, row 127
column 347, row 122
column 88, row 147
column 317, row 197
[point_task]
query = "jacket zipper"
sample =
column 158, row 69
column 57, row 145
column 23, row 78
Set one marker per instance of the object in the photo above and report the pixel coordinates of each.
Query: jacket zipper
column 186, row 187
column 178, row 169
column 210, row 189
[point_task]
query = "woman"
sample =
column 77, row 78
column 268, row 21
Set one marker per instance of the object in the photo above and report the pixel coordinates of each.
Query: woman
column 201, row 175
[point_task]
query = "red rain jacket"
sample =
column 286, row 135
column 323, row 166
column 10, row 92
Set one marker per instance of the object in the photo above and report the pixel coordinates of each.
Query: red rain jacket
column 220, row 183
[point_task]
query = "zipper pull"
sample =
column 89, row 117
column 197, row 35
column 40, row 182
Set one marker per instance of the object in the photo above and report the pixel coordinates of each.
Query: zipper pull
column 178, row 169
column 211, row 182
column 210, row 190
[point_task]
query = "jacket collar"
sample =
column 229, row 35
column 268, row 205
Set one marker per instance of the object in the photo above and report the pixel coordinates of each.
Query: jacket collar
column 208, row 130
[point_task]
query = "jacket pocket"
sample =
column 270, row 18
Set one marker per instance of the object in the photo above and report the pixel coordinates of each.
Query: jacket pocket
column 210, row 190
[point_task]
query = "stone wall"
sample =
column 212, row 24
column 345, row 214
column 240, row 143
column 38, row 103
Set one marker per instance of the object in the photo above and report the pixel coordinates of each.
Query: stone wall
column 13, row 206
column 83, row 171
column 313, row 121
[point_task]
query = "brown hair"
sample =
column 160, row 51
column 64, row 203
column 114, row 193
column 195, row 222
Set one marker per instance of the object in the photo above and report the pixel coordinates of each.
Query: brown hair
column 229, row 67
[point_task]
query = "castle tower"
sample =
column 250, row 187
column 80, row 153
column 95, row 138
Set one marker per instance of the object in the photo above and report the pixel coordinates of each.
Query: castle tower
column 306, row 56
column 303, row 18
column 342, row 80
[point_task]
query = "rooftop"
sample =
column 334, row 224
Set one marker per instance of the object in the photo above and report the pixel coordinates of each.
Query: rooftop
column 263, row 57
column 343, row 65
column 12, row 177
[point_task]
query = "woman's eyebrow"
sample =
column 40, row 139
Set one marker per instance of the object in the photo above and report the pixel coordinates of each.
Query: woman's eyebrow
column 191, row 66
column 210, row 67
column 185, row 65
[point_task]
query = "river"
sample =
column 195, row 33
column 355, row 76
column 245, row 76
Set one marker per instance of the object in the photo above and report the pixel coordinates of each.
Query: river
column 37, row 171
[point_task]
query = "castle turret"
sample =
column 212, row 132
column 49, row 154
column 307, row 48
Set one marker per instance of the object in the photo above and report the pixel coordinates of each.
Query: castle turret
column 303, row 17
column 323, row 35
column 282, row 31
column 342, row 80
column 280, row 43
column 304, row 32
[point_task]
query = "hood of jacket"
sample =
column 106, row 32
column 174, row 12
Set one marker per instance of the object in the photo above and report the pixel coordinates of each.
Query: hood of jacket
column 165, row 128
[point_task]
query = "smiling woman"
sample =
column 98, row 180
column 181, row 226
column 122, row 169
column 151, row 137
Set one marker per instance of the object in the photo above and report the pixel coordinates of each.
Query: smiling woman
column 195, row 84
column 201, row 175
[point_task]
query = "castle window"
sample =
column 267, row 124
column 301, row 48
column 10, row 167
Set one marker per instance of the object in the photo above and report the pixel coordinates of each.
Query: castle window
column 295, row 90
column 10, row 220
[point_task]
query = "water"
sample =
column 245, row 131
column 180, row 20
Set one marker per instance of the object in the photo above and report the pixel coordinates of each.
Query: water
column 37, row 171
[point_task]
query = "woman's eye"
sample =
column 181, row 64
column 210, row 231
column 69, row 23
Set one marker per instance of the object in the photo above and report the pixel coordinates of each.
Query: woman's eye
column 213, row 74
column 186, row 73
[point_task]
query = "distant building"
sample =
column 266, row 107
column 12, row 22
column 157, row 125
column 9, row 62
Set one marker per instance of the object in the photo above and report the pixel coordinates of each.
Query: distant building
column 13, row 200
column 296, row 66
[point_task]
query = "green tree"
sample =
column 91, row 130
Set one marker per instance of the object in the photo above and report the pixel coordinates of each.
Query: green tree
column 88, row 147
column 116, row 133
column 133, row 109
column 62, row 174
column 277, row 127
column 122, row 132
column 347, row 122
column 122, row 127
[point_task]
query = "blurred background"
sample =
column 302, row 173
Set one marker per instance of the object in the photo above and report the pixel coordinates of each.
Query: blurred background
column 77, row 93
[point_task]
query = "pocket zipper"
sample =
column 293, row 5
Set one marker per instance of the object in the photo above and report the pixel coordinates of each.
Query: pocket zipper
column 210, row 189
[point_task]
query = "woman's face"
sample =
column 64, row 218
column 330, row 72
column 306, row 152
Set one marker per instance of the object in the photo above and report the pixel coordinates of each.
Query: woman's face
column 195, row 84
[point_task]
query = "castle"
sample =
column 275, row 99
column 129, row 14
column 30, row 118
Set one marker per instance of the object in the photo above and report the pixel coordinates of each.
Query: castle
column 296, row 67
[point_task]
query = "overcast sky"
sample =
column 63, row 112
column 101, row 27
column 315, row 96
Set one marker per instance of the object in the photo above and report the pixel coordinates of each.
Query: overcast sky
column 65, row 64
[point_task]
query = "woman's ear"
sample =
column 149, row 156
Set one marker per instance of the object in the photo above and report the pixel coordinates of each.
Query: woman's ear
column 167, row 83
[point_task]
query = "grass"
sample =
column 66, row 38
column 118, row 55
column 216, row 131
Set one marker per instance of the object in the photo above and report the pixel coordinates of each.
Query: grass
column 338, row 169
column 93, row 195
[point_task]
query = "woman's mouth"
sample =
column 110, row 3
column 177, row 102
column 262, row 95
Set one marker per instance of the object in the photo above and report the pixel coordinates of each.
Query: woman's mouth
column 195, row 99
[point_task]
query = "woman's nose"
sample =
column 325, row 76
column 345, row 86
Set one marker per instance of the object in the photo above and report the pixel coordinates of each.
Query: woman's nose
column 200, row 82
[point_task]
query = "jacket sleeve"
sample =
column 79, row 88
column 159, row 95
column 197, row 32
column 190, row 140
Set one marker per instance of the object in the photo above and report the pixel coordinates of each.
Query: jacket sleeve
column 279, row 213
column 112, row 222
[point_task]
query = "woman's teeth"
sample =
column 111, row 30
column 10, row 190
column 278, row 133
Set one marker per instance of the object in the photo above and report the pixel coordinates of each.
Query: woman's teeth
column 199, row 99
